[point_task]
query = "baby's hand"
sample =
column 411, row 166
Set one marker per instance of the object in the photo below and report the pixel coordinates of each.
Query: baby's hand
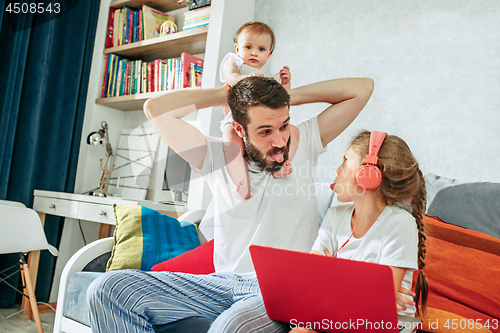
column 286, row 77
column 256, row 74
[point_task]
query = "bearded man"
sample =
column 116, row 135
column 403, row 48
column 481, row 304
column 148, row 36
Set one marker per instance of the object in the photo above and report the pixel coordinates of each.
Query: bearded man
column 282, row 212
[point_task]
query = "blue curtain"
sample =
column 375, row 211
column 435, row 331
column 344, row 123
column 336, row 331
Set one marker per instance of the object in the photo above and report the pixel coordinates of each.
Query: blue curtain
column 45, row 62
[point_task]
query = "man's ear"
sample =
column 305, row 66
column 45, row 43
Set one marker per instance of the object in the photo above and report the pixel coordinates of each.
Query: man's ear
column 239, row 129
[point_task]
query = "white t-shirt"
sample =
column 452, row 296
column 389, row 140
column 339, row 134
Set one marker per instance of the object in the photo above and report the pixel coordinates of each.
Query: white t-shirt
column 281, row 213
column 392, row 240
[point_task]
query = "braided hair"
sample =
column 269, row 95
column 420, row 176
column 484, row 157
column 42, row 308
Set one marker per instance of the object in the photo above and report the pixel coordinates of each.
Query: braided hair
column 402, row 185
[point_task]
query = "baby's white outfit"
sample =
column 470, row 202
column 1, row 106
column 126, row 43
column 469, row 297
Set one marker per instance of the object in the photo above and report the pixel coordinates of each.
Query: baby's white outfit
column 244, row 69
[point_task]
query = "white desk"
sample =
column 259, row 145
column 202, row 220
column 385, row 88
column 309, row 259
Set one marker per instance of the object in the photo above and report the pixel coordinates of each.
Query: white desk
column 89, row 208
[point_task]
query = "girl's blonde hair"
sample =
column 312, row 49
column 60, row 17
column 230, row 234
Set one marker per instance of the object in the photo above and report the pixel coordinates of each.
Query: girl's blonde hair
column 257, row 28
column 403, row 185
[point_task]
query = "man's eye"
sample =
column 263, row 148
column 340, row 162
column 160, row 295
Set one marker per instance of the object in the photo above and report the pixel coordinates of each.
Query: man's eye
column 265, row 132
column 284, row 126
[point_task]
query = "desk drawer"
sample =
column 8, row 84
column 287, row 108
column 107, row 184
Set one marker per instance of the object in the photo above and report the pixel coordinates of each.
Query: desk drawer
column 54, row 206
column 96, row 213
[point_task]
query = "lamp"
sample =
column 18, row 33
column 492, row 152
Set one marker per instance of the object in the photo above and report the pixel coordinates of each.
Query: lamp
column 98, row 138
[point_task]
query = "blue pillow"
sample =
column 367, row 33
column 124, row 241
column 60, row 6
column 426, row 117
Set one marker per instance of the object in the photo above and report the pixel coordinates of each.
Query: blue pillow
column 144, row 237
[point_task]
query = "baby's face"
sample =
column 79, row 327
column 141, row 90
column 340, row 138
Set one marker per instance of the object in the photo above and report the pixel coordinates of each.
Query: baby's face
column 255, row 50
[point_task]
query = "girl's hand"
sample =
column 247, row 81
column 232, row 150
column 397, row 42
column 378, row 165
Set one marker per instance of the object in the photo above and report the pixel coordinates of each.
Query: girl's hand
column 286, row 77
column 403, row 299
column 326, row 252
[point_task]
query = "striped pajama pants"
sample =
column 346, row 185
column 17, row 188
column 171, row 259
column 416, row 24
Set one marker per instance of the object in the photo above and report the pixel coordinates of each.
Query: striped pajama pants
column 132, row 301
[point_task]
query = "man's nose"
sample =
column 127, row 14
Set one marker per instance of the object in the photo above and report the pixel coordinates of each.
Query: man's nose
column 277, row 140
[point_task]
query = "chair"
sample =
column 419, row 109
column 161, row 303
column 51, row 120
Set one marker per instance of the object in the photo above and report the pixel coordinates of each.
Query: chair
column 86, row 260
column 22, row 232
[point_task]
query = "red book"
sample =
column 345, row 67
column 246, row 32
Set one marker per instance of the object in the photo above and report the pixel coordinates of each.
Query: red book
column 105, row 79
column 111, row 22
column 156, row 75
column 150, row 76
column 139, row 26
column 186, row 61
column 130, row 25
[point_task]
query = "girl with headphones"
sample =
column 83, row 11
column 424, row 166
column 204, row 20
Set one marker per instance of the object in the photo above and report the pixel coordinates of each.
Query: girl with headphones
column 379, row 181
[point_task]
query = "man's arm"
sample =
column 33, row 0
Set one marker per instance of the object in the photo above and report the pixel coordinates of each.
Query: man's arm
column 346, row 96
column 165, row 113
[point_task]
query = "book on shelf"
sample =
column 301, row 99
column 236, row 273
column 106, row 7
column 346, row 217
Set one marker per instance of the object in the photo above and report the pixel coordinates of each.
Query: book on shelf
column 116, row 21
column 144, row 77
column 196, row 18
column 152, row 21
column 112, row 78
column 122, row 77
column 109, row 33
column 196, row 75
column 186, row 61
column 124, row 26
column 105, row 75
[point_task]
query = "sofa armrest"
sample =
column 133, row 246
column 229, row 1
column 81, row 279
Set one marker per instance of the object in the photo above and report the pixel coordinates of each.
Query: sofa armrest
column 76, row 264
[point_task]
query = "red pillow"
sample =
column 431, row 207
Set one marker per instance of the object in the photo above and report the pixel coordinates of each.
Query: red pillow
column 197, row 261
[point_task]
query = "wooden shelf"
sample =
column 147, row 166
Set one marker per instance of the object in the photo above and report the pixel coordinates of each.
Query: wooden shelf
column 129, row 102
column 162, row 5
column 191, row 41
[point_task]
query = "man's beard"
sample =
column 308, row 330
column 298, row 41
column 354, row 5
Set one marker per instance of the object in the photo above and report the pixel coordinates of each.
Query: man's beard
column 260, row 158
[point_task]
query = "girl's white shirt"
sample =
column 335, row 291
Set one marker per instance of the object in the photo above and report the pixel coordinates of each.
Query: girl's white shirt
column 392, row 240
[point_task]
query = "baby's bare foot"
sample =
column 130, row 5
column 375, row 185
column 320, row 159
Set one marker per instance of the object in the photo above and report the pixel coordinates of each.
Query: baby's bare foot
column 243, row 190
column 285, row 170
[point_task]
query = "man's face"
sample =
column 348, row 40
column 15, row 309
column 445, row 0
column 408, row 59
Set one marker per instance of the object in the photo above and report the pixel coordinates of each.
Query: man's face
column 267, row 138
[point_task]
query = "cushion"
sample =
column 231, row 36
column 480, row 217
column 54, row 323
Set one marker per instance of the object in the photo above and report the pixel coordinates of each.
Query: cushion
column 435, row 183
column 197, row 261
column 473, row 206
column 75, row 304
column 144, row 237
column 462, row 268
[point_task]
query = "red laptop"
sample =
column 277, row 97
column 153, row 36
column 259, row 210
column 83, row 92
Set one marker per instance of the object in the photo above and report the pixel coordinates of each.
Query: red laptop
column 328, row 294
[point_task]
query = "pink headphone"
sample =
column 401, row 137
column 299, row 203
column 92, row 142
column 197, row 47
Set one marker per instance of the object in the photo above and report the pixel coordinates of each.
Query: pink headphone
column 369, row 175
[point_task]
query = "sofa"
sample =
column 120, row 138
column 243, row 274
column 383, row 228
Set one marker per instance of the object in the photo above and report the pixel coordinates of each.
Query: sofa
column 462, row 262
column 463, row 256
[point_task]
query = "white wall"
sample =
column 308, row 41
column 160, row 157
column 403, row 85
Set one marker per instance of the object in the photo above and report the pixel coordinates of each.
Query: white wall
column 436, row 66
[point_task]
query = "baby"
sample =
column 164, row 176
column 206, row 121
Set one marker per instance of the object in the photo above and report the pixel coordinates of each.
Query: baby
column 254, row 44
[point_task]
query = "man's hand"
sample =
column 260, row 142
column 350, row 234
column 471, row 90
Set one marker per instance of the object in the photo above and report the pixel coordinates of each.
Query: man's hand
column 286, row 77
column 347, row 97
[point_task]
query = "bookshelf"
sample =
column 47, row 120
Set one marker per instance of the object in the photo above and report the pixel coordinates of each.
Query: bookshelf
column 191, row 41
